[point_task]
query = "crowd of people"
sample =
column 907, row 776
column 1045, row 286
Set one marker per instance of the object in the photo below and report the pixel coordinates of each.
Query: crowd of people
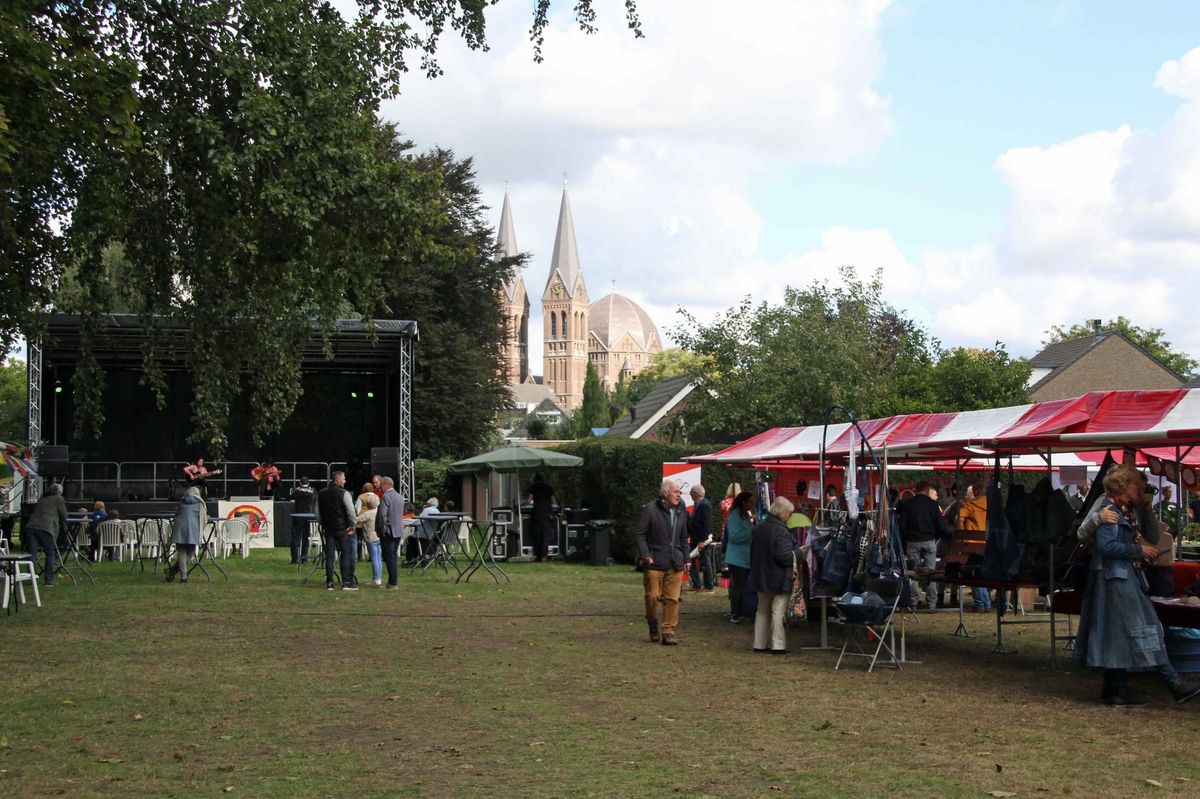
column 1122, row 543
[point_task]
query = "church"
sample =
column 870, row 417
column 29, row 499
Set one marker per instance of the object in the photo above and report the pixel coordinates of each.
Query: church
column 613, row 333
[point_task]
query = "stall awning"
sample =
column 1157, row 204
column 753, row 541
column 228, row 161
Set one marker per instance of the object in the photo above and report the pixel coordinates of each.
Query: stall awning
column 1095, row 421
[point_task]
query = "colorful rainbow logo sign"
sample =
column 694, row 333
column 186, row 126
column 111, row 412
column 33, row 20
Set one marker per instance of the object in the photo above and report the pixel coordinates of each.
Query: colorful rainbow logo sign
column 252, row 514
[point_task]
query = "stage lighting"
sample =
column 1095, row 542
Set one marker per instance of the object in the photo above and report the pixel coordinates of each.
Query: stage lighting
column 354, row 395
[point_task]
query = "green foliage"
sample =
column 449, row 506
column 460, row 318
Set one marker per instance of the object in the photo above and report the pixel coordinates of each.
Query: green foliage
column 966, row 379
column 1151, row 339
column 594, row 411
column 670, row 362
column 451, row 291
column 620, row 475
column 232, row 148
column 13, row 390
column 432, row 479
column 768, row 365
column 536, row 427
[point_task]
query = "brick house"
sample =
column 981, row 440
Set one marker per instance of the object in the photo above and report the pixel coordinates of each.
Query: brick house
column 1100, row 362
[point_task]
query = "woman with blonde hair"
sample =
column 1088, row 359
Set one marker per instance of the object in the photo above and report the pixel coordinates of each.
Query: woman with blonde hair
column 368, row 506
column 1119, row 629
column 772, row 570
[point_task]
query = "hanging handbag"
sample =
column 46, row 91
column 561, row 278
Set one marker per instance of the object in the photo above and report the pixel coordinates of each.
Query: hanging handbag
column 797, row 609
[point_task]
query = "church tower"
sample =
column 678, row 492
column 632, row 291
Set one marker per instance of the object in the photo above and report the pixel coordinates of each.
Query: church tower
column 514, row 305
column 565, row 316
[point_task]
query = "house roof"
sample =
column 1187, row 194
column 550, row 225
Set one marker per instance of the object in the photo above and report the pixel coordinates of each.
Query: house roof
column 661, row 399
column 1061, row 354
column 530, row 393
column 1193, row 383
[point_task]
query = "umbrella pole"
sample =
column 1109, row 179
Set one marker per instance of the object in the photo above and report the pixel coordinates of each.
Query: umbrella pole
column 520, row 520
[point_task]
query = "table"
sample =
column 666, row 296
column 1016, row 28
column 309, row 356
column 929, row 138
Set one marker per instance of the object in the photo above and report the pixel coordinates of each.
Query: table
column 484, row 552
column 71, row 537
column 164, row 546
column 1002, row 586
column 9, row 562
column 445, row 534
column 205, row 548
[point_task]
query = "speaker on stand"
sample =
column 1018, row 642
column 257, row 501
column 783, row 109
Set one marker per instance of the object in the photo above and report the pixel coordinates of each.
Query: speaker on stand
column 385, row 462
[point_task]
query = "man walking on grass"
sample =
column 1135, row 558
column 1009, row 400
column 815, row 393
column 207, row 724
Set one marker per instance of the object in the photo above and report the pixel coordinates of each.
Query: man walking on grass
column 662, row 542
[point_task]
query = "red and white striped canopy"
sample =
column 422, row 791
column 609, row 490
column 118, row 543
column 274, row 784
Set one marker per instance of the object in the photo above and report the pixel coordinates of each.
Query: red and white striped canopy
column 1096, row 421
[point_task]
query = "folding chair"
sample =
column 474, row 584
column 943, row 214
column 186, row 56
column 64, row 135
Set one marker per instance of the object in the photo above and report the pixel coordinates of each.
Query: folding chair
column 861, row 623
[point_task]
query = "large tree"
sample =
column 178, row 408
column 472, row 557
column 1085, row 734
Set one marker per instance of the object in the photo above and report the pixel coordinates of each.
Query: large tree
column 13, row 387
column 451, row 292
column 786, row 364
column 1151, row 339
column 231, row 148
column 771, row 364
column 593, row 411
column 969, row 378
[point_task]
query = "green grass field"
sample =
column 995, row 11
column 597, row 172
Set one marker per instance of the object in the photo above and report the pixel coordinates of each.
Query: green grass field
column 264, row 687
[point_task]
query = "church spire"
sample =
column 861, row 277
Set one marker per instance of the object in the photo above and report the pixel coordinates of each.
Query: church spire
column 565, row 258
column 506, row 240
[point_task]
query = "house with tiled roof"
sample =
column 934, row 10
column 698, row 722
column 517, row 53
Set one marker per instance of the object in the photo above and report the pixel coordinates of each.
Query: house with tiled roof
column 657, row 417
column 1099, row 362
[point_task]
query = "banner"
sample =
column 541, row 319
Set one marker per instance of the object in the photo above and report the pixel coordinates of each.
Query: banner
column 259, row 513
column 686, row 474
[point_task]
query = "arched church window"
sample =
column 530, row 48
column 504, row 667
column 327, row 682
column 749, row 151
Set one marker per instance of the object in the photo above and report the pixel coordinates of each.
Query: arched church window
column 564, row 324
column 553, row 325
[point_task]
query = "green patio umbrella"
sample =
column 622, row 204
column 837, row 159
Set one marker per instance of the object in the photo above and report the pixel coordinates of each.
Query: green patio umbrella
column 514, row 460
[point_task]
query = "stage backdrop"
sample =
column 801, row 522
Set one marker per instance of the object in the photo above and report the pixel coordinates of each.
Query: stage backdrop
column 260, row 514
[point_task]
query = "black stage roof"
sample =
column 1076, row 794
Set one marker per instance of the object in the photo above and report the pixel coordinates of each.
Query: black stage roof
column 122, row 338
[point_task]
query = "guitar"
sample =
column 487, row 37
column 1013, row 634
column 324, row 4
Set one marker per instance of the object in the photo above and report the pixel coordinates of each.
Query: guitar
column 193, row 478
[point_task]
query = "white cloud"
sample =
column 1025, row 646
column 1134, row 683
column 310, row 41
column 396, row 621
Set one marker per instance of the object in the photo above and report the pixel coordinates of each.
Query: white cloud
column 661, row 136
column 664, row 137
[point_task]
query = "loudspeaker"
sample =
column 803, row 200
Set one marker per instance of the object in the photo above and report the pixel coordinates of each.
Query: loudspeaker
column 385, row 462
column 52, row 460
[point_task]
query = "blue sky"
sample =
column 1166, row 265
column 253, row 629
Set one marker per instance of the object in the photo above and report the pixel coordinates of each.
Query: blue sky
column 967, row 81
column 1005, row 166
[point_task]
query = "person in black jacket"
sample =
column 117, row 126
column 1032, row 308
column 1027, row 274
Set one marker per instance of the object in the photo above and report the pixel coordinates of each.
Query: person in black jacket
column 335, row 510
column 302, row 498
column 772, row 567
column 921, row 525
column 700, row 538
column 662, row 543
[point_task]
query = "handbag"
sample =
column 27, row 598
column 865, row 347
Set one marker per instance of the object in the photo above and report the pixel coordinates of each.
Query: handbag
column 797, row 608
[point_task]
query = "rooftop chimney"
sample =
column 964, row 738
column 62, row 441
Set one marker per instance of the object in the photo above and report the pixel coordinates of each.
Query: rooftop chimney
column 1096, row 329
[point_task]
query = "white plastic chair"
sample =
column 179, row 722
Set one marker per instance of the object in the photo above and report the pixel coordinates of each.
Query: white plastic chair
column 314, row 539
column 235, row 533
column 112, row 536
column 143, row 538
column 24, row 571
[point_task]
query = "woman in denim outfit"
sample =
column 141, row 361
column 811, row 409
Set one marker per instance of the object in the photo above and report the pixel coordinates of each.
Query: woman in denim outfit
column 1118, row 628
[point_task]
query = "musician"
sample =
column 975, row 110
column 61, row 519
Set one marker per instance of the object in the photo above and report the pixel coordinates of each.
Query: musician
column 197, row 475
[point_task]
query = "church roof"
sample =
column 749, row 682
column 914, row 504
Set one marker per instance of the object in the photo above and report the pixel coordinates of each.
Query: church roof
column 565, row 258
column 506, row 240
column 614, row 315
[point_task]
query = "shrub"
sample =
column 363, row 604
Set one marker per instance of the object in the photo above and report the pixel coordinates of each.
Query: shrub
column 433, row 479
column 620, row 475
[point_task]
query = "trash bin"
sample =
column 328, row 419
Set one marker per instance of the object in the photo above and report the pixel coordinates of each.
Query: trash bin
column 599, row 539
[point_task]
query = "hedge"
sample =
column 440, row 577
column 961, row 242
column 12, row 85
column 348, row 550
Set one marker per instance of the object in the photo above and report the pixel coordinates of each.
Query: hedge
column 620, row 475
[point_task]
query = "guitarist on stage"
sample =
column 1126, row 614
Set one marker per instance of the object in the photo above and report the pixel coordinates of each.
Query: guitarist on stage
column 197, row 475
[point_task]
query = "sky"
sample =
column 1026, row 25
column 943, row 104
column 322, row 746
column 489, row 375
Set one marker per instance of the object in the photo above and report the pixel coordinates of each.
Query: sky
column 1006, row 166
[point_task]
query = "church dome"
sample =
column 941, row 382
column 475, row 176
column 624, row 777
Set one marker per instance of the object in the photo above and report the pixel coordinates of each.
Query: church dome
column 614, row 315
